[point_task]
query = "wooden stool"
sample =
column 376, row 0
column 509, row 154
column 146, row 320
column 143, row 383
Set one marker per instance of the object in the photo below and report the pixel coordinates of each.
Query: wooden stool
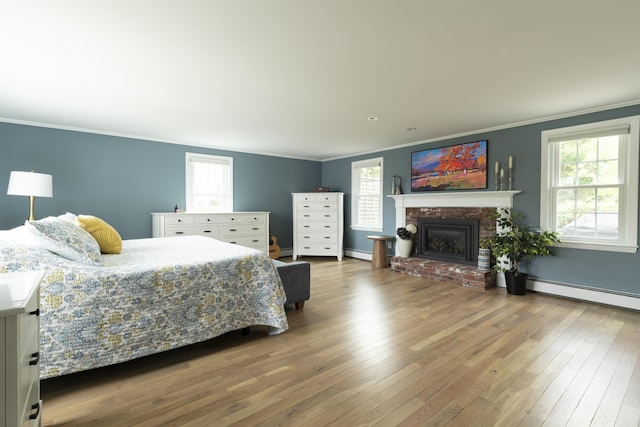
column 379, row 256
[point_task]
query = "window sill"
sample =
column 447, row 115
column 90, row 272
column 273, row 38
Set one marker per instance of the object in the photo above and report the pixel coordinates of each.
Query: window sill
column 367, row 228
column 605, row 247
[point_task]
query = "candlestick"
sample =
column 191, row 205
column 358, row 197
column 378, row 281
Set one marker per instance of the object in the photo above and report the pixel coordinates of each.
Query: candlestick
column 510, row 178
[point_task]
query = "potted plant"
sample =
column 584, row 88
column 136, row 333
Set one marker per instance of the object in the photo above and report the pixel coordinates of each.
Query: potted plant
column 404, row 240
column 515, row 242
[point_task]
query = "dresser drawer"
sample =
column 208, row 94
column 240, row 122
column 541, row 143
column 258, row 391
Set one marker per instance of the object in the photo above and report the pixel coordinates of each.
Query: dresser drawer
column 317, row 226
column 28, row 386
column 235, row 218
column 32, row 408
column 205, row 219
column 203, row 230
column 327, row 197
column 317, row 206
column 238, row 229
column 28, row 326
column 178, row 219
column 304, row 217
column 317, row 237
column 305, row 197
column 256, row 242
column 318, row 249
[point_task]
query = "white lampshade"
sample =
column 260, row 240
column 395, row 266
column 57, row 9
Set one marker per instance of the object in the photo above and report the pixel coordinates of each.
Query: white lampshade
column 30, row 184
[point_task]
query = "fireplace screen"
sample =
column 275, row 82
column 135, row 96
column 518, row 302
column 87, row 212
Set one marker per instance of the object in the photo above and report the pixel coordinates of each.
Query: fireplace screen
column 454, row 240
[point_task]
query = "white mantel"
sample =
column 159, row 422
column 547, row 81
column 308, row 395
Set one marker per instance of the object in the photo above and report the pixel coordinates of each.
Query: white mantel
column 463, row 199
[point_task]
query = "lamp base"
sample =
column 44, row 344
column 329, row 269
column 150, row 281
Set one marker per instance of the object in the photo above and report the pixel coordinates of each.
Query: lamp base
column 32, row 200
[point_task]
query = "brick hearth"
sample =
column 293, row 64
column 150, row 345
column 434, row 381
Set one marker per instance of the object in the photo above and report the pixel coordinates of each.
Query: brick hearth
column 464, row 275
column 461, row 204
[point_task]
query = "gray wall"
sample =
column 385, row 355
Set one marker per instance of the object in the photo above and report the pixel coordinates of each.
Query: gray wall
column 604, row 270
column 123, row 180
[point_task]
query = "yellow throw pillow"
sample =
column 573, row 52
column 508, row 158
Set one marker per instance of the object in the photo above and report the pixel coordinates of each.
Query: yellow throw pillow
column 107, row 237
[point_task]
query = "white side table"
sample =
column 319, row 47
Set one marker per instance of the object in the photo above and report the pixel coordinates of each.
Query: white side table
column 20, row 403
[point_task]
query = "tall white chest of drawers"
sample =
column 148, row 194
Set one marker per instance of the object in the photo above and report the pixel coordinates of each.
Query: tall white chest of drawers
column 318, row 224
column 20, row 403
column 242, row 228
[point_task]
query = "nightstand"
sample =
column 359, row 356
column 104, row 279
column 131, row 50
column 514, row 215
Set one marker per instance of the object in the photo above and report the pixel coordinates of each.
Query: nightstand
column 20, row 402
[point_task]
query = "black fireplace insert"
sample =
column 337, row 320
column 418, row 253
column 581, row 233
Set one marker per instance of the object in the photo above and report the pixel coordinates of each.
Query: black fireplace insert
column 448, row 239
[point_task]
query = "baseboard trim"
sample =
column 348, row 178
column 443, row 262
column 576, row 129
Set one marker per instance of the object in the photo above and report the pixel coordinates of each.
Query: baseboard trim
column 367, row 256
column 584, row 293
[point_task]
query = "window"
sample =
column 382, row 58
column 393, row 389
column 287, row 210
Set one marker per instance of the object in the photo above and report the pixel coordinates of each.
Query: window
column 209, row 183
column 589, row 187
column 366, row 195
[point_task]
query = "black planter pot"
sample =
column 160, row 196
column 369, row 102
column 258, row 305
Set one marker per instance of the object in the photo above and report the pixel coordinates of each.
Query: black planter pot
column 516, row 283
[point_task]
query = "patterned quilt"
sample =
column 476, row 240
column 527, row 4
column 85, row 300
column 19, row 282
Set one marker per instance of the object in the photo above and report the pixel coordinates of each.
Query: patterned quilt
column 158, row 294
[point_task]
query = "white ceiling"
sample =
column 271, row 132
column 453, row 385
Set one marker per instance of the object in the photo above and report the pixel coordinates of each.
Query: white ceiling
column 300, row 78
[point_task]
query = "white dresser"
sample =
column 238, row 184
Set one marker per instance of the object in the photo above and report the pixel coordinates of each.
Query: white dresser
column 243, row 228
column 20, row 349
column 318, row 224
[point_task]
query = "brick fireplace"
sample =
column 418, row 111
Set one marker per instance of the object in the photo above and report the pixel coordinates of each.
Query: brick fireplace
column 475, row 206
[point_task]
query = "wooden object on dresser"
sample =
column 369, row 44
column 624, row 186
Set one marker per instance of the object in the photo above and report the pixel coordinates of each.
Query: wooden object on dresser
column 20, row 349
column 243, row 228
column 318, row 224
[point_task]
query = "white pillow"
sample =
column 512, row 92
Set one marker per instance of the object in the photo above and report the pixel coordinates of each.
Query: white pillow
column 65, row 239
column 70, row 217
column 19, row 235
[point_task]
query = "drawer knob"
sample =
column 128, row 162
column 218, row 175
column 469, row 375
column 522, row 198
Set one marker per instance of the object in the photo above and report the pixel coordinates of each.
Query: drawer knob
column 35, row 358
column 35, row 312
column 255, row 228
column 36, row 407
column 179, row 220
column 232, row 229
column 207, row 231
column 179, row 232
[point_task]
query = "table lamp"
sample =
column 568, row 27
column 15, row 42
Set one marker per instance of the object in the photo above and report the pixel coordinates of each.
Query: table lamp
column 30, row 184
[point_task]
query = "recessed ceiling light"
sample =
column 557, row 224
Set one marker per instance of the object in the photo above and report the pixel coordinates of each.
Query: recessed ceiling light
column 372, row 118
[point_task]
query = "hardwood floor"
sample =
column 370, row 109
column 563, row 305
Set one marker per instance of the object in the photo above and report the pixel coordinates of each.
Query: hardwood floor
column 374, row 347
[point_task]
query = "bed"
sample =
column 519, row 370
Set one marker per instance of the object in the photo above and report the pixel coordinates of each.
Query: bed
column 155, row 295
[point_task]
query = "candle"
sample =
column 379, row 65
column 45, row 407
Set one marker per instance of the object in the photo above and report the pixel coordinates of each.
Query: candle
column 501, row 173
column 510, row 162
column 497, row 167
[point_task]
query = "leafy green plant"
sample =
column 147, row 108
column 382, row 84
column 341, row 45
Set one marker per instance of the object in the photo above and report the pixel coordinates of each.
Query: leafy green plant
column 516, row 242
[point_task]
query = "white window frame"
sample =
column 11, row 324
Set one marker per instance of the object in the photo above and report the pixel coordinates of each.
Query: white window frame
column 224, row 161
column 628, row 165
column 355, row 194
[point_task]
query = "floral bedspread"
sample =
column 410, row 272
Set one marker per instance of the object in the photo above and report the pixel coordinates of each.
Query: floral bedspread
column 158, row 294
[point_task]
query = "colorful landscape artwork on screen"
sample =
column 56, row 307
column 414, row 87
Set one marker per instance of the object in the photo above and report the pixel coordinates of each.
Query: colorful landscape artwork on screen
column 457, row 167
